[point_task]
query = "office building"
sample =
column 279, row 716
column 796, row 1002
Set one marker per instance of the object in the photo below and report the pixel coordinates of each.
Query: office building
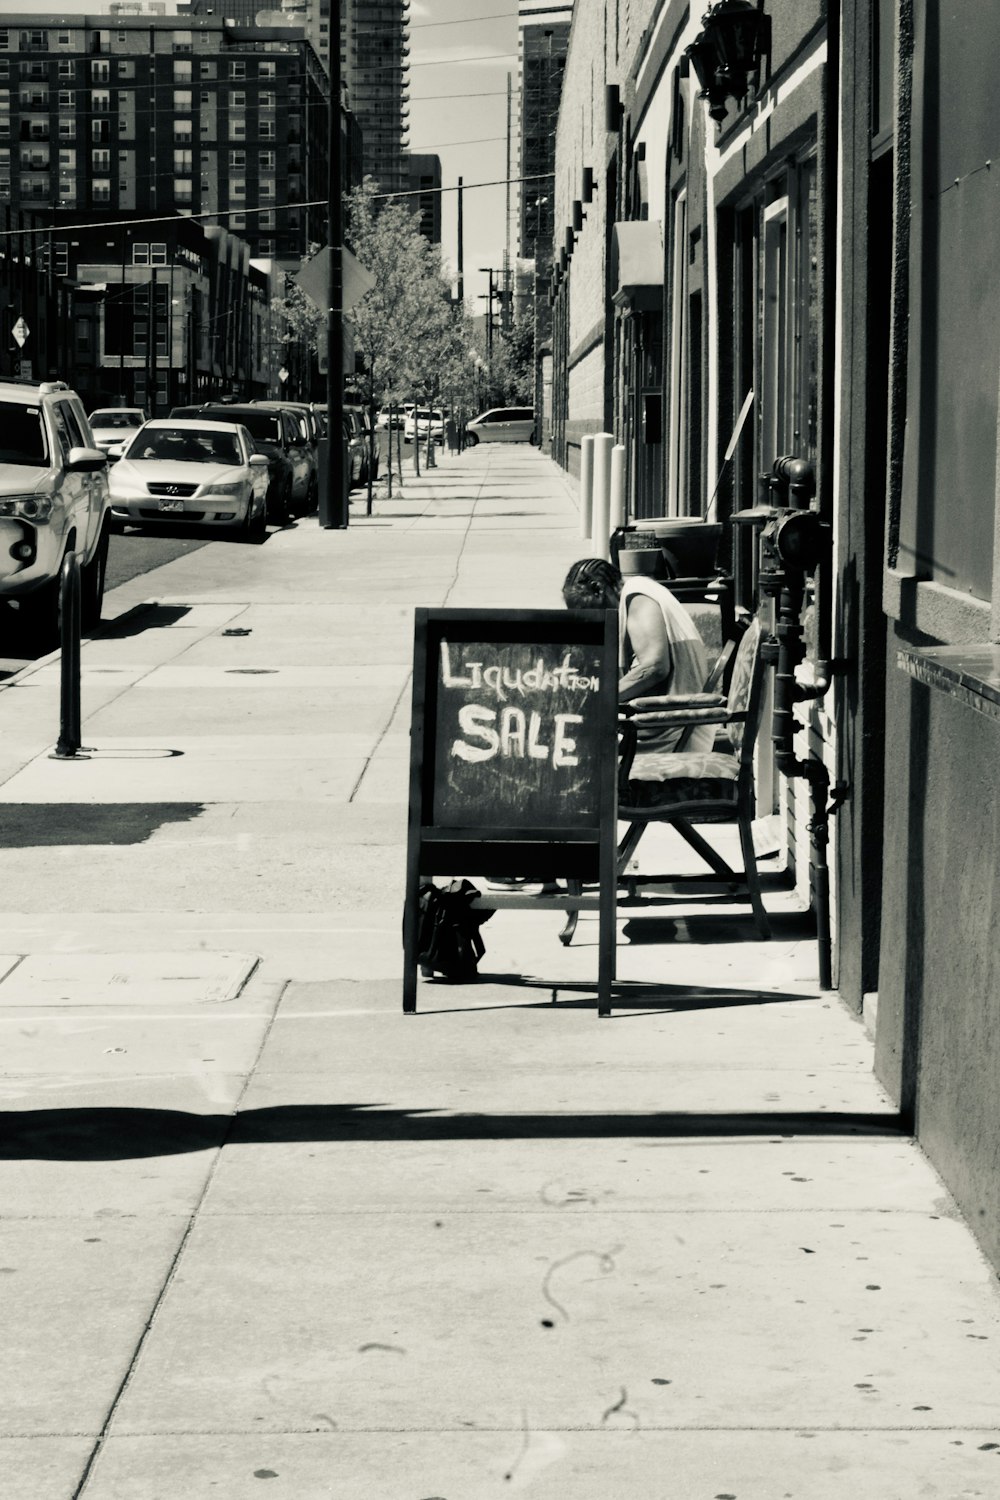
column 425, row 180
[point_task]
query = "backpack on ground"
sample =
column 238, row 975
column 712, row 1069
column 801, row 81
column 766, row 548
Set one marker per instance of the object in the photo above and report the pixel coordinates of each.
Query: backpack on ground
column 448, row 938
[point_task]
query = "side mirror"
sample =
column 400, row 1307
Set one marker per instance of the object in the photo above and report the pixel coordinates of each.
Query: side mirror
column 86, row 460
column 258, row 459
column 115, row 451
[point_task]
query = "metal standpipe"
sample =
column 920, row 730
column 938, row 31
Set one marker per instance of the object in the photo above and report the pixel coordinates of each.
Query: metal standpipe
column 601, row 537
column 68, row 745
column 586, row 485
column 617, row 504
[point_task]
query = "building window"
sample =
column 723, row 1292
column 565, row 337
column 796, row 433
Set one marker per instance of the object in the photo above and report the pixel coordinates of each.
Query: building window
column 182, row 70
column 237, row 70
column 266, row 219
column 266, row 188
column 182, row 101
column 67, row 99
column 4, row 40
column 265, row 247
column 100, row 72
column 237, row 221
column 100, row 131
column 182, row 41
column 34, row 41
column 100, row 162
column 34, row 98
column 237, row 99
column 267, row 70
column 267, row 161
column 67, row 130
column 100, row 190
column 67, row 68
column 4, row 187
column 266, row 101
column 67, row 161
column 126, row 69
column 237, row 187
column 64, row 39
column 100, row 102
column 207, row 69
column 183, row 190
column 267, row 130
column 237, row 128
column 183, row 163
column 183, row 132
column 237, row 160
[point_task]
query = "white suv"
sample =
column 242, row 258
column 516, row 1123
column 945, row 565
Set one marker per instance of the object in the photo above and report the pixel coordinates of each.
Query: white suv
column 53, row 498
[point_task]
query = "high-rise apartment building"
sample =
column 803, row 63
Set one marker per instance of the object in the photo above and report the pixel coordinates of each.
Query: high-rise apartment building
column 544, row 27
column 375, row 50
column 107, row 117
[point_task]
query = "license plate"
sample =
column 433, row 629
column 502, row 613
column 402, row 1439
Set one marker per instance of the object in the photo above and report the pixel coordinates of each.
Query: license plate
column 172, row 505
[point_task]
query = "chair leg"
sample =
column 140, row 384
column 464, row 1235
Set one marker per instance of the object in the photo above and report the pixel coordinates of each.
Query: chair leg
column 701, row 846
column 752, row 877
column 573, row 888
column 629, row 844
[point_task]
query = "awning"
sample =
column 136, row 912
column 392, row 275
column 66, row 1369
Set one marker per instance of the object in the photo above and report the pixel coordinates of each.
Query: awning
column 637, row 263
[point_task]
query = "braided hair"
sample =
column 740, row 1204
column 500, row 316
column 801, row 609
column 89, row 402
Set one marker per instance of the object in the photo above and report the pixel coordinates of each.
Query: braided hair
column 592, row 583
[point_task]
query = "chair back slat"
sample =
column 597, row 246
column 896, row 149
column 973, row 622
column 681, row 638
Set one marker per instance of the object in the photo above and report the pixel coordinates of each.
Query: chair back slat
column 746, row 674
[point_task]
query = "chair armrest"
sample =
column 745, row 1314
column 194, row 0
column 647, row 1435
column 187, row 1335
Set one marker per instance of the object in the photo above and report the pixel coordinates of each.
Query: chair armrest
column 674, row 701
column 678, row 718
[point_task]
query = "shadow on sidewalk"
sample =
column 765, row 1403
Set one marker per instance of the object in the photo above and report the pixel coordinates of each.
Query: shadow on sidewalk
column 119, row 1134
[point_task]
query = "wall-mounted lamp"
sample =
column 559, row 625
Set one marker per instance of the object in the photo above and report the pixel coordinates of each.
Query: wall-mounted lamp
column 613, row 111
column 587, row 191
column 570, row 240
column 577, row 216
column 735, row 35
column 563, row 261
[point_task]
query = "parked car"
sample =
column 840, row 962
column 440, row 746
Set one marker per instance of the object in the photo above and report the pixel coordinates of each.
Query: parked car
column 390, row 417
column 424, row 420
column 310, row 429
column 53, row 499
column 112, row 425
column 356, row 454
column 278, row 434
column 361, row 429
column 502, row 424
column 192, row 470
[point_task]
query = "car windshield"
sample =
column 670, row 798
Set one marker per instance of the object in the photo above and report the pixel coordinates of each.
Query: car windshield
column 423, row 414
column 265, row 426
column 116, row 419
column 187, row 447
column 22, row 435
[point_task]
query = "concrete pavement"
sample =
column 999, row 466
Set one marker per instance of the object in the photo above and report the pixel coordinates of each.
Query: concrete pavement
column 261, row 1234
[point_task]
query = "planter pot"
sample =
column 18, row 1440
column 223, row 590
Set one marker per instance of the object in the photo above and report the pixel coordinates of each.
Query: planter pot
column 647, row 560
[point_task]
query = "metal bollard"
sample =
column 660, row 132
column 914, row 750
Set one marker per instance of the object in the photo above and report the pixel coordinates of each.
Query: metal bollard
column 600, row 544
column 586, row 484
column 68, row 744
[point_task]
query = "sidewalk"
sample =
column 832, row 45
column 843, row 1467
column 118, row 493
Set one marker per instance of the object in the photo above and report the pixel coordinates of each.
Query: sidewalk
column 264, row 1235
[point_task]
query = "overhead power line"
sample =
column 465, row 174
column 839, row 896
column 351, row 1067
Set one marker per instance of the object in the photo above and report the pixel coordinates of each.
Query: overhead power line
column 260, row 208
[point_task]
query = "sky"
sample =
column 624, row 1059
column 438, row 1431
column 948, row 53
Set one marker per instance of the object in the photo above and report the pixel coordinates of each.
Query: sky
column 467, row 48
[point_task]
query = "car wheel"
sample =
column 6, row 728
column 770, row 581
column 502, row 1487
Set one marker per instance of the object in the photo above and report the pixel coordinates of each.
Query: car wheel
column 92, row 577
column 312, row 498
column 471, row 440
column 39, row 616
column 255, row 526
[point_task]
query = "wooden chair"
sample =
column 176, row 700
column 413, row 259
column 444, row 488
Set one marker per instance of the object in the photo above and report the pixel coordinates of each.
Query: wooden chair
column 682, row 788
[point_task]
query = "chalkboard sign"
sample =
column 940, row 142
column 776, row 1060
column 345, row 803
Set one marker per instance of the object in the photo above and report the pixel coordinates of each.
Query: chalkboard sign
column 518, row 734
column 513, row 754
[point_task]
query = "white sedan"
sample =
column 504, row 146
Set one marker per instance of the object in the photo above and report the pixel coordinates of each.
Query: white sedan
column 191, row 471
column 112, row 425
column 423, row 421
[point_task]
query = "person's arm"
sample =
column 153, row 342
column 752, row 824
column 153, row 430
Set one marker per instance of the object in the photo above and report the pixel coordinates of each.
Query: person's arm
column 652, row 657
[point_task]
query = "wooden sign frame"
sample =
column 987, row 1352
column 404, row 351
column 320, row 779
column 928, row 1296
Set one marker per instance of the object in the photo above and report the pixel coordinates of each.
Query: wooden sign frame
column 573, row 834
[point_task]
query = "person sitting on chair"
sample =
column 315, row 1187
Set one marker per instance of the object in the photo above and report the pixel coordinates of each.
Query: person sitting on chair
column 659, row 648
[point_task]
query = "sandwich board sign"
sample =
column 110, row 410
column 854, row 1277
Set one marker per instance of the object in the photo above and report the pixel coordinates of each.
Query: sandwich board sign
column 513, row 761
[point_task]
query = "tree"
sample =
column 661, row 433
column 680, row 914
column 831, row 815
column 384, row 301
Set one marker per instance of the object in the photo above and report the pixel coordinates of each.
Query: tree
column 301, row 326
column 393, row 323
column 513, row 368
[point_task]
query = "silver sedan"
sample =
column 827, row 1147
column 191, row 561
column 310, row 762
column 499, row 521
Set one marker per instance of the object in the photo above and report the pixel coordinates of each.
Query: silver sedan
column 191, row 471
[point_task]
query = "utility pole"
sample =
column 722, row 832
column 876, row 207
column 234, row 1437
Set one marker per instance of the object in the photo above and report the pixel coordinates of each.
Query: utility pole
column 505, row 304
column 334, row 511
column 151, row 334
column 461, row 249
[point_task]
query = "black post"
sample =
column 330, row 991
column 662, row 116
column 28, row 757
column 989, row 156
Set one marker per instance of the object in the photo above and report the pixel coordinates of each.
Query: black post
column 334, row 497
column 461, row 249
column 151, row 335
column 68, row 743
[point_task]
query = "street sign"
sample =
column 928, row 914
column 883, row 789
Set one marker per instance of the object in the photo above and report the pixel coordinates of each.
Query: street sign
column 20, row 331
